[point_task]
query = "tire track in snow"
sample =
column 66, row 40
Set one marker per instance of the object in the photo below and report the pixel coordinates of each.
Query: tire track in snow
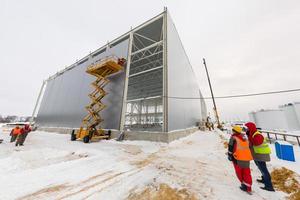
column 104, row 183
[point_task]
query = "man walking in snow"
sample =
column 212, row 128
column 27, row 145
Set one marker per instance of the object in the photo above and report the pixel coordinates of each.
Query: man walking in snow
column 240, row 155
column 209, row 123
column 261, row 154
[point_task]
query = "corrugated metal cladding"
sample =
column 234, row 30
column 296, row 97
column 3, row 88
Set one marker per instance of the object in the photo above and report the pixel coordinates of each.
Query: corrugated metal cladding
column 65, row 97
column 182, row 82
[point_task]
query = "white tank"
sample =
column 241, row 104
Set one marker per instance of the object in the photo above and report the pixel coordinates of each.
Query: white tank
column 291, row 116
column 252, row 116
column 270, row 120
column 297, row 110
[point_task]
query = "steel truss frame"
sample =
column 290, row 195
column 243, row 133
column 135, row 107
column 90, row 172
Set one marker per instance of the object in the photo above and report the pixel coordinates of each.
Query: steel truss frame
column 144, row 103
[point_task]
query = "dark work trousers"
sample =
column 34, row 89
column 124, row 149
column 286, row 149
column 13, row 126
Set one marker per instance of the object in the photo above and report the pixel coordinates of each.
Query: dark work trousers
column 23, row 138
column 13, row 138
column 262, row 166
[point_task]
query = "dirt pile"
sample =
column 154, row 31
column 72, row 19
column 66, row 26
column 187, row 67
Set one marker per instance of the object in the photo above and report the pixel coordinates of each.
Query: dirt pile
column 286, row 180
column 163, row 191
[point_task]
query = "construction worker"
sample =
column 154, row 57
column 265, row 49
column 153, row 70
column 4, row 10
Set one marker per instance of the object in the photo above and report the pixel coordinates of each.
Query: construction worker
column 208, row 123
column 23, row 135
column 14, row 133
column 240, row 155
column 261, row 154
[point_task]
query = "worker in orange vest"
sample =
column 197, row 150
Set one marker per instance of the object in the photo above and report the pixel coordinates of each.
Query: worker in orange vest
column 240, row 155
column 14, row 133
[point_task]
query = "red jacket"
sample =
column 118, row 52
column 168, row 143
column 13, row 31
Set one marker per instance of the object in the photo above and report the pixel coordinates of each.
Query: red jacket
column 26, row 129
column 257, row 139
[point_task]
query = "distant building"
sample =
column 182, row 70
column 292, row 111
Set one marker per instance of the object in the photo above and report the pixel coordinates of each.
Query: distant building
column 286, row 118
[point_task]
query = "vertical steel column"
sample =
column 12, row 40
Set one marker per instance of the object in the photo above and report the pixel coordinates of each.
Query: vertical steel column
column 131, row 112
column 37, row 101
column 165, row 73
column 147, row 114
column 124, row 106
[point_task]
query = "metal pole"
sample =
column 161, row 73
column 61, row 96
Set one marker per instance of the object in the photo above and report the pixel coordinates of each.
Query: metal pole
column 212, row 95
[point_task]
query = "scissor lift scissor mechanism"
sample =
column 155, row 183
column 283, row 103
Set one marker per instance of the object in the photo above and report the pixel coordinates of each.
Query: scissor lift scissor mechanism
column 90, row 129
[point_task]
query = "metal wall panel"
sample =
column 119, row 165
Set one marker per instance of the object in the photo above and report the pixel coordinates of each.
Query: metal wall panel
column 65, row 97
column 182, row 113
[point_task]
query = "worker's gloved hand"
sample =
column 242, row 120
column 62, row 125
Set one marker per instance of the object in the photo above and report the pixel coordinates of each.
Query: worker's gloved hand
column 230, row 158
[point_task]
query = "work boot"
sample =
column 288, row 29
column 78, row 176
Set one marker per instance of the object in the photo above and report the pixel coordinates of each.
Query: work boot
column 243, row 187
column 260, row 180
column 267, row 189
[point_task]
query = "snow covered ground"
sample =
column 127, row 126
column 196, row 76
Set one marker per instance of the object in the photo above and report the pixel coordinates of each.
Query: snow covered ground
column 50, row 166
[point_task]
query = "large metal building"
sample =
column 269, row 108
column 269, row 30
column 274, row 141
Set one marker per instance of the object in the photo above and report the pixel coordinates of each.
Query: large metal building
column 156, row 94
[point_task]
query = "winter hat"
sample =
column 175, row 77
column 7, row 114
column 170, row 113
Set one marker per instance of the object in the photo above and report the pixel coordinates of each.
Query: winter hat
column 237, row 129
column 251, row 127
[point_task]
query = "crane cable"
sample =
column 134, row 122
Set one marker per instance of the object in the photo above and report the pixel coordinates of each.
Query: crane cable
column 239, row 95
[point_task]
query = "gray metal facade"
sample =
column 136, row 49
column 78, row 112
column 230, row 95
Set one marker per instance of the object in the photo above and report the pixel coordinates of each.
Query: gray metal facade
column 66, row 95
column 182, row 84
column 140, row 97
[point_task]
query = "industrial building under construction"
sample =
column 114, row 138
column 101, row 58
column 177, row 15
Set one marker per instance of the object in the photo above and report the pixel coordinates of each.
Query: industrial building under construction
column 154, row 96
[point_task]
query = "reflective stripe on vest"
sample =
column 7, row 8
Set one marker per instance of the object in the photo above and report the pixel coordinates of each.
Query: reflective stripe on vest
column 242, row 151
column 263, row 148
column 16, row 131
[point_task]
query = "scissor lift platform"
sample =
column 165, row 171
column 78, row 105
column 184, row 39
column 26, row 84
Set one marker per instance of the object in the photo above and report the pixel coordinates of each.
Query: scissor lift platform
column 90, row 129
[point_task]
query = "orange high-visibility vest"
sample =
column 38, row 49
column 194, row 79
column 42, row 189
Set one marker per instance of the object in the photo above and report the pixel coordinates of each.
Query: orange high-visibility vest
column 242, row 151
column 16, row 131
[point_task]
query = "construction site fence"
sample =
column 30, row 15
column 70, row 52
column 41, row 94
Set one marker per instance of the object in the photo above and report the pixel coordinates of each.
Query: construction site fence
column 281, row 135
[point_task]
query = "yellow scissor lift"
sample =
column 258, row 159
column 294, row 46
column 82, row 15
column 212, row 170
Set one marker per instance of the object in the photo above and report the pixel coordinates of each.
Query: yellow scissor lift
column 89, row 130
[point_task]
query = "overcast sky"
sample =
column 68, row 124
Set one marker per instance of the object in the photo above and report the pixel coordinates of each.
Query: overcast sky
column 250, row 46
